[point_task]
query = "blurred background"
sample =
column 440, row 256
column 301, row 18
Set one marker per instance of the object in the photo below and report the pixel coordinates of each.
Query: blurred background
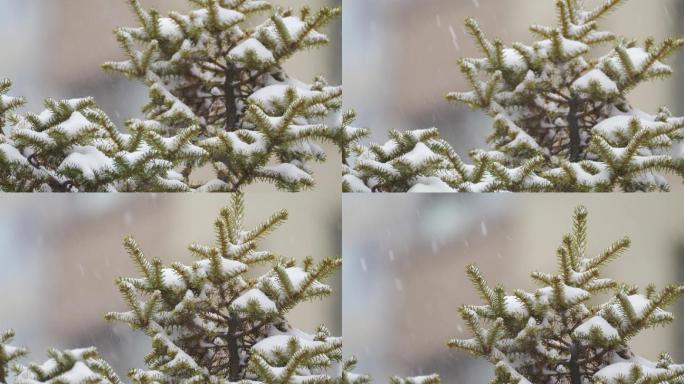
column 400, row 56
column 60, row 256
column 405, row 258
column 55, row 49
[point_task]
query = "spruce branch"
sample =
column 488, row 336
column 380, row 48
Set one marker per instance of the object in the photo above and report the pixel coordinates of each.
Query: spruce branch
column 8, row 354
column 73, row 146
column 77, row 366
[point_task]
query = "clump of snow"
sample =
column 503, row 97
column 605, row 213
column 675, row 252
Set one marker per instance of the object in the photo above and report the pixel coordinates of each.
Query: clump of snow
column 169, row 28
column 224, row 16
column 288, row 172
column 569, row 294
column 172, row 280
column 75, row 125
column 355, row 184
column 275, row 94
column 596, row 78
column 272, row 345
column 297, row 277
column 569, row 48
column 430, row 184
column 640, row 304
column 12, row 154
column 514, row 306
column 238, row 141
column 613, row 127
column 256, row 296
column 295, row 29
column 513, row 60
column 419, row 156
column 620, row 371
column 88, row 160
column 638, row 58
column 80, row 373
column 254, row 47
column 597, row 324
column 227, row 267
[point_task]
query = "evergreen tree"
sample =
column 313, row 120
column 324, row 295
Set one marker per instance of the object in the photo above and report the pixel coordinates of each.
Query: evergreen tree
column 562, row 120
column 557, row 334
column 218, row 98
column 215, row 321
column 219, row 69
column 222, row 319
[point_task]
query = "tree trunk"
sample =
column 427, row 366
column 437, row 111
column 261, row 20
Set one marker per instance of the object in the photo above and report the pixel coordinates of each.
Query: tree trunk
column 573, row 126
column 575, row 371
column 233, row 351
column 229, row 100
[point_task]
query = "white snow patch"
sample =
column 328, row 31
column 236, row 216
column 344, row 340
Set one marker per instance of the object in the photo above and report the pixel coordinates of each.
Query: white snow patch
column 254, row 46
column 89, row 160
column 74, row 125
column 607, row 331
column 255, row 295
column 596, row 77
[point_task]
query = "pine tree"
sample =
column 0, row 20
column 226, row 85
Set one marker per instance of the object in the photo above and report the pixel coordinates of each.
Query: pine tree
column 561, row 115
column 218, row 98
column 557, row 334
column 553, row 99
column 219, row 69
column 213, row 321
column 216, row 321
column 222, row 319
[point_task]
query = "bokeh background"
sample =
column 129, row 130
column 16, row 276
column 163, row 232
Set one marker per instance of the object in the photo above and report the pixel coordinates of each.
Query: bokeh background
column 400, row 58
column 60, row 256
column 405, row 258
column 55, row 49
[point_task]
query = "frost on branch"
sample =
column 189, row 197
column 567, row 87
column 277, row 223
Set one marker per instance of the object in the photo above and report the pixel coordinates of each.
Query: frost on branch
column 219, row 68
column 561, row 115
column 72, row 146
column 557, row 334
column 218, row 320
